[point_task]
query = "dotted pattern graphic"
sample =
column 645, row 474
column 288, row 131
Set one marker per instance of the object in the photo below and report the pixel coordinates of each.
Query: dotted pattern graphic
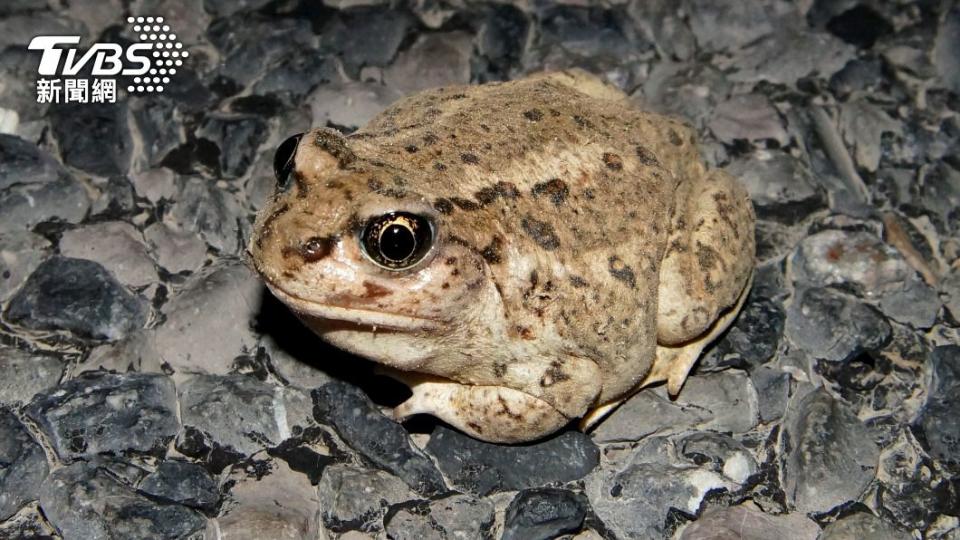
column 166, row 57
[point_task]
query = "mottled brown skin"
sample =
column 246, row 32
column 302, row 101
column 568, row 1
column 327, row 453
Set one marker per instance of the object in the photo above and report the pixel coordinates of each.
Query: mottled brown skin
column 583, row 250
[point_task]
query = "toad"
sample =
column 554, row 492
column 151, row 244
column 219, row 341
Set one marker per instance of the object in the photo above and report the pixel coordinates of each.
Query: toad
column 521, row 254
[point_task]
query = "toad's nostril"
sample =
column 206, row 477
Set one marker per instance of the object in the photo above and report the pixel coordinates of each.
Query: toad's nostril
column 315, row 248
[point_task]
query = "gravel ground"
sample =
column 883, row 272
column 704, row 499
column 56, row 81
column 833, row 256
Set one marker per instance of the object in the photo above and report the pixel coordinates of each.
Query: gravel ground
column 151, row 389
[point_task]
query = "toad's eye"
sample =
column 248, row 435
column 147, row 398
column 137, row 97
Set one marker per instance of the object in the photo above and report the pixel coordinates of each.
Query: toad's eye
column 398, row 240
column 283, row 160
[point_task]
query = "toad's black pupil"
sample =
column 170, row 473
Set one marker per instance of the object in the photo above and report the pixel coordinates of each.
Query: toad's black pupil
column 397, row 242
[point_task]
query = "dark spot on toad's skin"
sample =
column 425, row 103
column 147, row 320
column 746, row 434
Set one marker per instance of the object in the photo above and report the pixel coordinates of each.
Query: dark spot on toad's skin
column 429, row 139
column 507, row 190
column 621, row 271
column 541, row 232
column 445, row 285
column 334, row 184
column 465, row 204
column 486, row 196
column 554, row 374
column 485, row 127
column 439, row 166
column 372, row 291
column 374, row 184
column 578, row 282
column 476, row 427
column 393, row 193
column 444, row 206
column 411, row 148
column 301, row 182
column 468, row 158
column 554, row 188
column 582, row 122
column 533, row 115
column 589, row 194
column 613, row 161
column 499, row 369
column 675, row 138
column 450, row 261
column 647, row 157
column 316, row 248
column 493, row 252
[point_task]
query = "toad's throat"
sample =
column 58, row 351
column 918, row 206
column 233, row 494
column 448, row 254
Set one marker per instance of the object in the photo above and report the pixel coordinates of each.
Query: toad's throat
column 351, row 314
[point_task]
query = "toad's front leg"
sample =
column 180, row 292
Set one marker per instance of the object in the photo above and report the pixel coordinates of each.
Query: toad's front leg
column 490, row 413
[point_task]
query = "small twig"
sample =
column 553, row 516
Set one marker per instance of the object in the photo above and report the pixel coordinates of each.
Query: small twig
column 837, row 152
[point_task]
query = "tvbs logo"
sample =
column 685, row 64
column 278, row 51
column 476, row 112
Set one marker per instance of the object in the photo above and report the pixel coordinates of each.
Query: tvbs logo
column 146, row 66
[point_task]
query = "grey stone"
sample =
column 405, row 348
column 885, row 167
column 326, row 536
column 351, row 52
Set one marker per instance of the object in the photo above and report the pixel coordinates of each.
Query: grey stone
column 911, row 493
column 294, row 370
column 20, row 254
column 940, row 417
column 116, row 245
column 950, row 289
column 204, row 207
column 158, row 134
column 834, row 327
column 350, row 104
column 235, row 415
column 773, row 391
column 728, row 24
column 208, row 322
column 27, row 523
column 634, row 500
column 456, row 516
column 35, row 188
column 237, row 136
column 376, row 437
column 93, row 137
column 746, row 522
column 436, row 59
column 249, row 43
column 17, row 30
column 273, row 502
column 183, row 483
column 84, row 500
column 20, row 64
column 788, row 55
column 155, row 184
column 114, row 197
column 688, row 90
column 353, row 498
column 365, row 37
column 721, row 453
column 23, row 465
column 781, row 187
column 583, row 36
column 749, row 117
column 946, row 45
column 108, row 413
column 757, row 332
column 862, row 525
column 663, row 25
column 79, row 296
column 724, row 401
column 224, row 8
column 858, row 76
column 502, row 38
column 871, row 268
column 293, row 76
column 26, row 374
column 863, row 126
column 544, row 513
column 481, row 468
column 175, row 250
column 829, row 457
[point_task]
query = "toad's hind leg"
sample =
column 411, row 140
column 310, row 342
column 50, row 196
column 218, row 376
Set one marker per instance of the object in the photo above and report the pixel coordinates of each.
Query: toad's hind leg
column 490, row 413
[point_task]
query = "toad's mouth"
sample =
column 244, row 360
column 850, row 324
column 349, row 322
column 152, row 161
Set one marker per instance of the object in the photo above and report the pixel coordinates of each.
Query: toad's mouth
column 377, row 320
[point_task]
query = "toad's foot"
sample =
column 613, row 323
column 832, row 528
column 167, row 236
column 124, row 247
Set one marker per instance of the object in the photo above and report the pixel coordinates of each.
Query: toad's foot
column 490, row 413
